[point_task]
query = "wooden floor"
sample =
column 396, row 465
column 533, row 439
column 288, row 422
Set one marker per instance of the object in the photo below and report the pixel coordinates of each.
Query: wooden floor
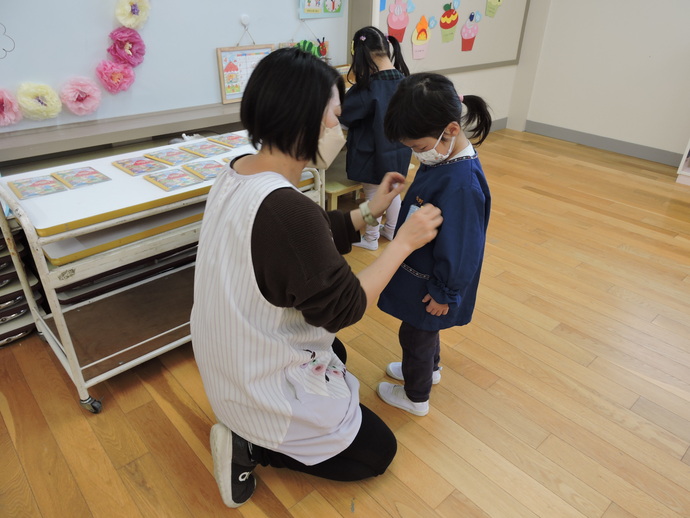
column 567, row 396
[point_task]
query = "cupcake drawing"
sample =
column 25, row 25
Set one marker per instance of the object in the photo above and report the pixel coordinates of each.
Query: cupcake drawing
column 398, row 19
column 420, row 39
column 449, row 21
column 469, row 32
column 492, row 7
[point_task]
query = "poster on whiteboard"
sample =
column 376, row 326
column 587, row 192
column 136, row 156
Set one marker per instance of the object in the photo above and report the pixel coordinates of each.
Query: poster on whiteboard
column 320, row 8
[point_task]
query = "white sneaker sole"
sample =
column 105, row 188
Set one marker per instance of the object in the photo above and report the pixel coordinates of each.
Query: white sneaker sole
column 396, row 373
column 386, row 392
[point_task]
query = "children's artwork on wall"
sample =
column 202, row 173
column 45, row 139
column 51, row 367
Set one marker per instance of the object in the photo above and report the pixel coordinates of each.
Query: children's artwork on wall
column 235, row 65
column 470, row 30
column 451, row 35
column 420, row 39
column 492, row 7
column 320, row 8
column 449, row 22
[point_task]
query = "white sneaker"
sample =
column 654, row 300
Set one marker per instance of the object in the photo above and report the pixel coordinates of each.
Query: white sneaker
column 388, row 234
column 394, row 370
column 369, row 245
column 232, row 466
column 395, row 396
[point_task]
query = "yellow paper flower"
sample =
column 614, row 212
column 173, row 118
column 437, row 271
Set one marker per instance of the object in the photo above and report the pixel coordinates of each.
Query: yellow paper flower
column 132, row 13
column 38, row 101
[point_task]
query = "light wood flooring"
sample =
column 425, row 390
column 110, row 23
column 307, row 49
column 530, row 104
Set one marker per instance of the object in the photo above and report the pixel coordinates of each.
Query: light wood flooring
column 568, row 395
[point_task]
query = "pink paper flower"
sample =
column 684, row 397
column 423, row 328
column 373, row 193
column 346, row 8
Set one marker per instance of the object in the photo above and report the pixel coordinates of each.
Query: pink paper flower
column 127, row 47
column 9, row 109
column 115, row 77
column 81, row 96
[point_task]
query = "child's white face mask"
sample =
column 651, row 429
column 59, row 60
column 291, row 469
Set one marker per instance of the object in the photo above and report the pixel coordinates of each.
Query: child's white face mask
column 433, row 157
column 331, row 142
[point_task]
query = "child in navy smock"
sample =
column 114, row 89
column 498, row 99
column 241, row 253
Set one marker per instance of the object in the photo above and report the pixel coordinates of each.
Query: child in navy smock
column 436, row 287
column 370, row 155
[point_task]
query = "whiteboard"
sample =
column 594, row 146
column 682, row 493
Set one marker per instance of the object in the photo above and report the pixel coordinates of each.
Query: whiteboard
column 52, row 42
column 497, row 40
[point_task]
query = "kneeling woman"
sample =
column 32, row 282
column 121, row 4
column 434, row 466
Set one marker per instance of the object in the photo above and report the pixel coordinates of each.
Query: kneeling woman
column 272, row 289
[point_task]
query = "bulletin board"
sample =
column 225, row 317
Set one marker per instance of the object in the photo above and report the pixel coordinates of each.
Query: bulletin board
column 448, row 36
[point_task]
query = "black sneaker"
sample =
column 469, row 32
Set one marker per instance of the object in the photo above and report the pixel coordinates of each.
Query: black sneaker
column 232, row 465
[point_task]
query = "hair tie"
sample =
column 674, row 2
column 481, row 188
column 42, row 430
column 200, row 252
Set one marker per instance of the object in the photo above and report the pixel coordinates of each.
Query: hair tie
column 461, row 97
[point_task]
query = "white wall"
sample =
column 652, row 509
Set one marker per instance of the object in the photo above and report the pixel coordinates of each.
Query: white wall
column 618, row 69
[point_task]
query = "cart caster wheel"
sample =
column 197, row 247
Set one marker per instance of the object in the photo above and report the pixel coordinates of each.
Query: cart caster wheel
column 92, row 405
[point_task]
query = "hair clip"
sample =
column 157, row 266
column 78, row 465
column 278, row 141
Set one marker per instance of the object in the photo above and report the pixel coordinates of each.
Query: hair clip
column 362, row 38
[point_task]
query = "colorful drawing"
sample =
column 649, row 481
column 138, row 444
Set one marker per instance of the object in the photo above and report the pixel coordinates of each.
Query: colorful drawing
column 139, row 165
column 232, row 140
column 235, row 65
column 232, row 78
column 173, row 179
column 171, row 156
column 204, row 148
column 420, row 39
column 449, row 22
column 205, row 168
column 491, row 7
column 81, row 176
column 398, row 19
column 36, row 186
column 469, row 31
column 320, row 8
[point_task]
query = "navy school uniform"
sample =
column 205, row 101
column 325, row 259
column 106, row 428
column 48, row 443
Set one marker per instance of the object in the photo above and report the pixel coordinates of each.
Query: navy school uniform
column 447, row 268
column 370, row 155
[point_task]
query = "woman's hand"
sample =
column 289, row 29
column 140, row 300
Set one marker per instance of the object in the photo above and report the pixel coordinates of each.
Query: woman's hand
column 420, row 228
column 391, row 185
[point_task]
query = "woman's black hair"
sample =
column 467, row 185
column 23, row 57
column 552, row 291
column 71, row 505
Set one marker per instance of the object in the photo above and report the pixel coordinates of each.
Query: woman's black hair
column 424, row 104
column 367, row 43
column 285, row 99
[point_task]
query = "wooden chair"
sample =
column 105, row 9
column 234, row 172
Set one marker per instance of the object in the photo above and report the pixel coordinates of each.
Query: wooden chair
column 337, row 183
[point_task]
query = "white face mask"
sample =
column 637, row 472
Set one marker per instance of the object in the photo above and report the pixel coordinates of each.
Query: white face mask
column 331, row 142
column 433, row 157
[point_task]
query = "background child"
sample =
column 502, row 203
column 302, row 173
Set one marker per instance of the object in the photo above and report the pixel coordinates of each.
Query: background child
column 370, row 155
column 436, row 286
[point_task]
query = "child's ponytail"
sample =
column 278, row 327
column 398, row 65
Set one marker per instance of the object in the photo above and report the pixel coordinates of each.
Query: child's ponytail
column 397, row 57
column 477, row 120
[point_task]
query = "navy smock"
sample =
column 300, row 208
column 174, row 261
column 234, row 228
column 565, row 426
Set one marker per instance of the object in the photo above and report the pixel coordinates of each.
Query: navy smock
column 370, row 155
column 447, row 268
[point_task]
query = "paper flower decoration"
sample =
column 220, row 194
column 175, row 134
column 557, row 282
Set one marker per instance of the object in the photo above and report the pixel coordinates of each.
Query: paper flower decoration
column 115, row 77
column 9, row 109
column 127, row 47
column 81, row 96
column 132, row 13
column 38, row 101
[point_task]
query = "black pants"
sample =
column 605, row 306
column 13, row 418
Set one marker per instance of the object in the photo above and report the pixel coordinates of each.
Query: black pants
column 421, row 353
column 369, row 454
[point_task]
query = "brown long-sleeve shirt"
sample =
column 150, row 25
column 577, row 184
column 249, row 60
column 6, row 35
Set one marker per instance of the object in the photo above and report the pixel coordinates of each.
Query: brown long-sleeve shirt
column 296, row 254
